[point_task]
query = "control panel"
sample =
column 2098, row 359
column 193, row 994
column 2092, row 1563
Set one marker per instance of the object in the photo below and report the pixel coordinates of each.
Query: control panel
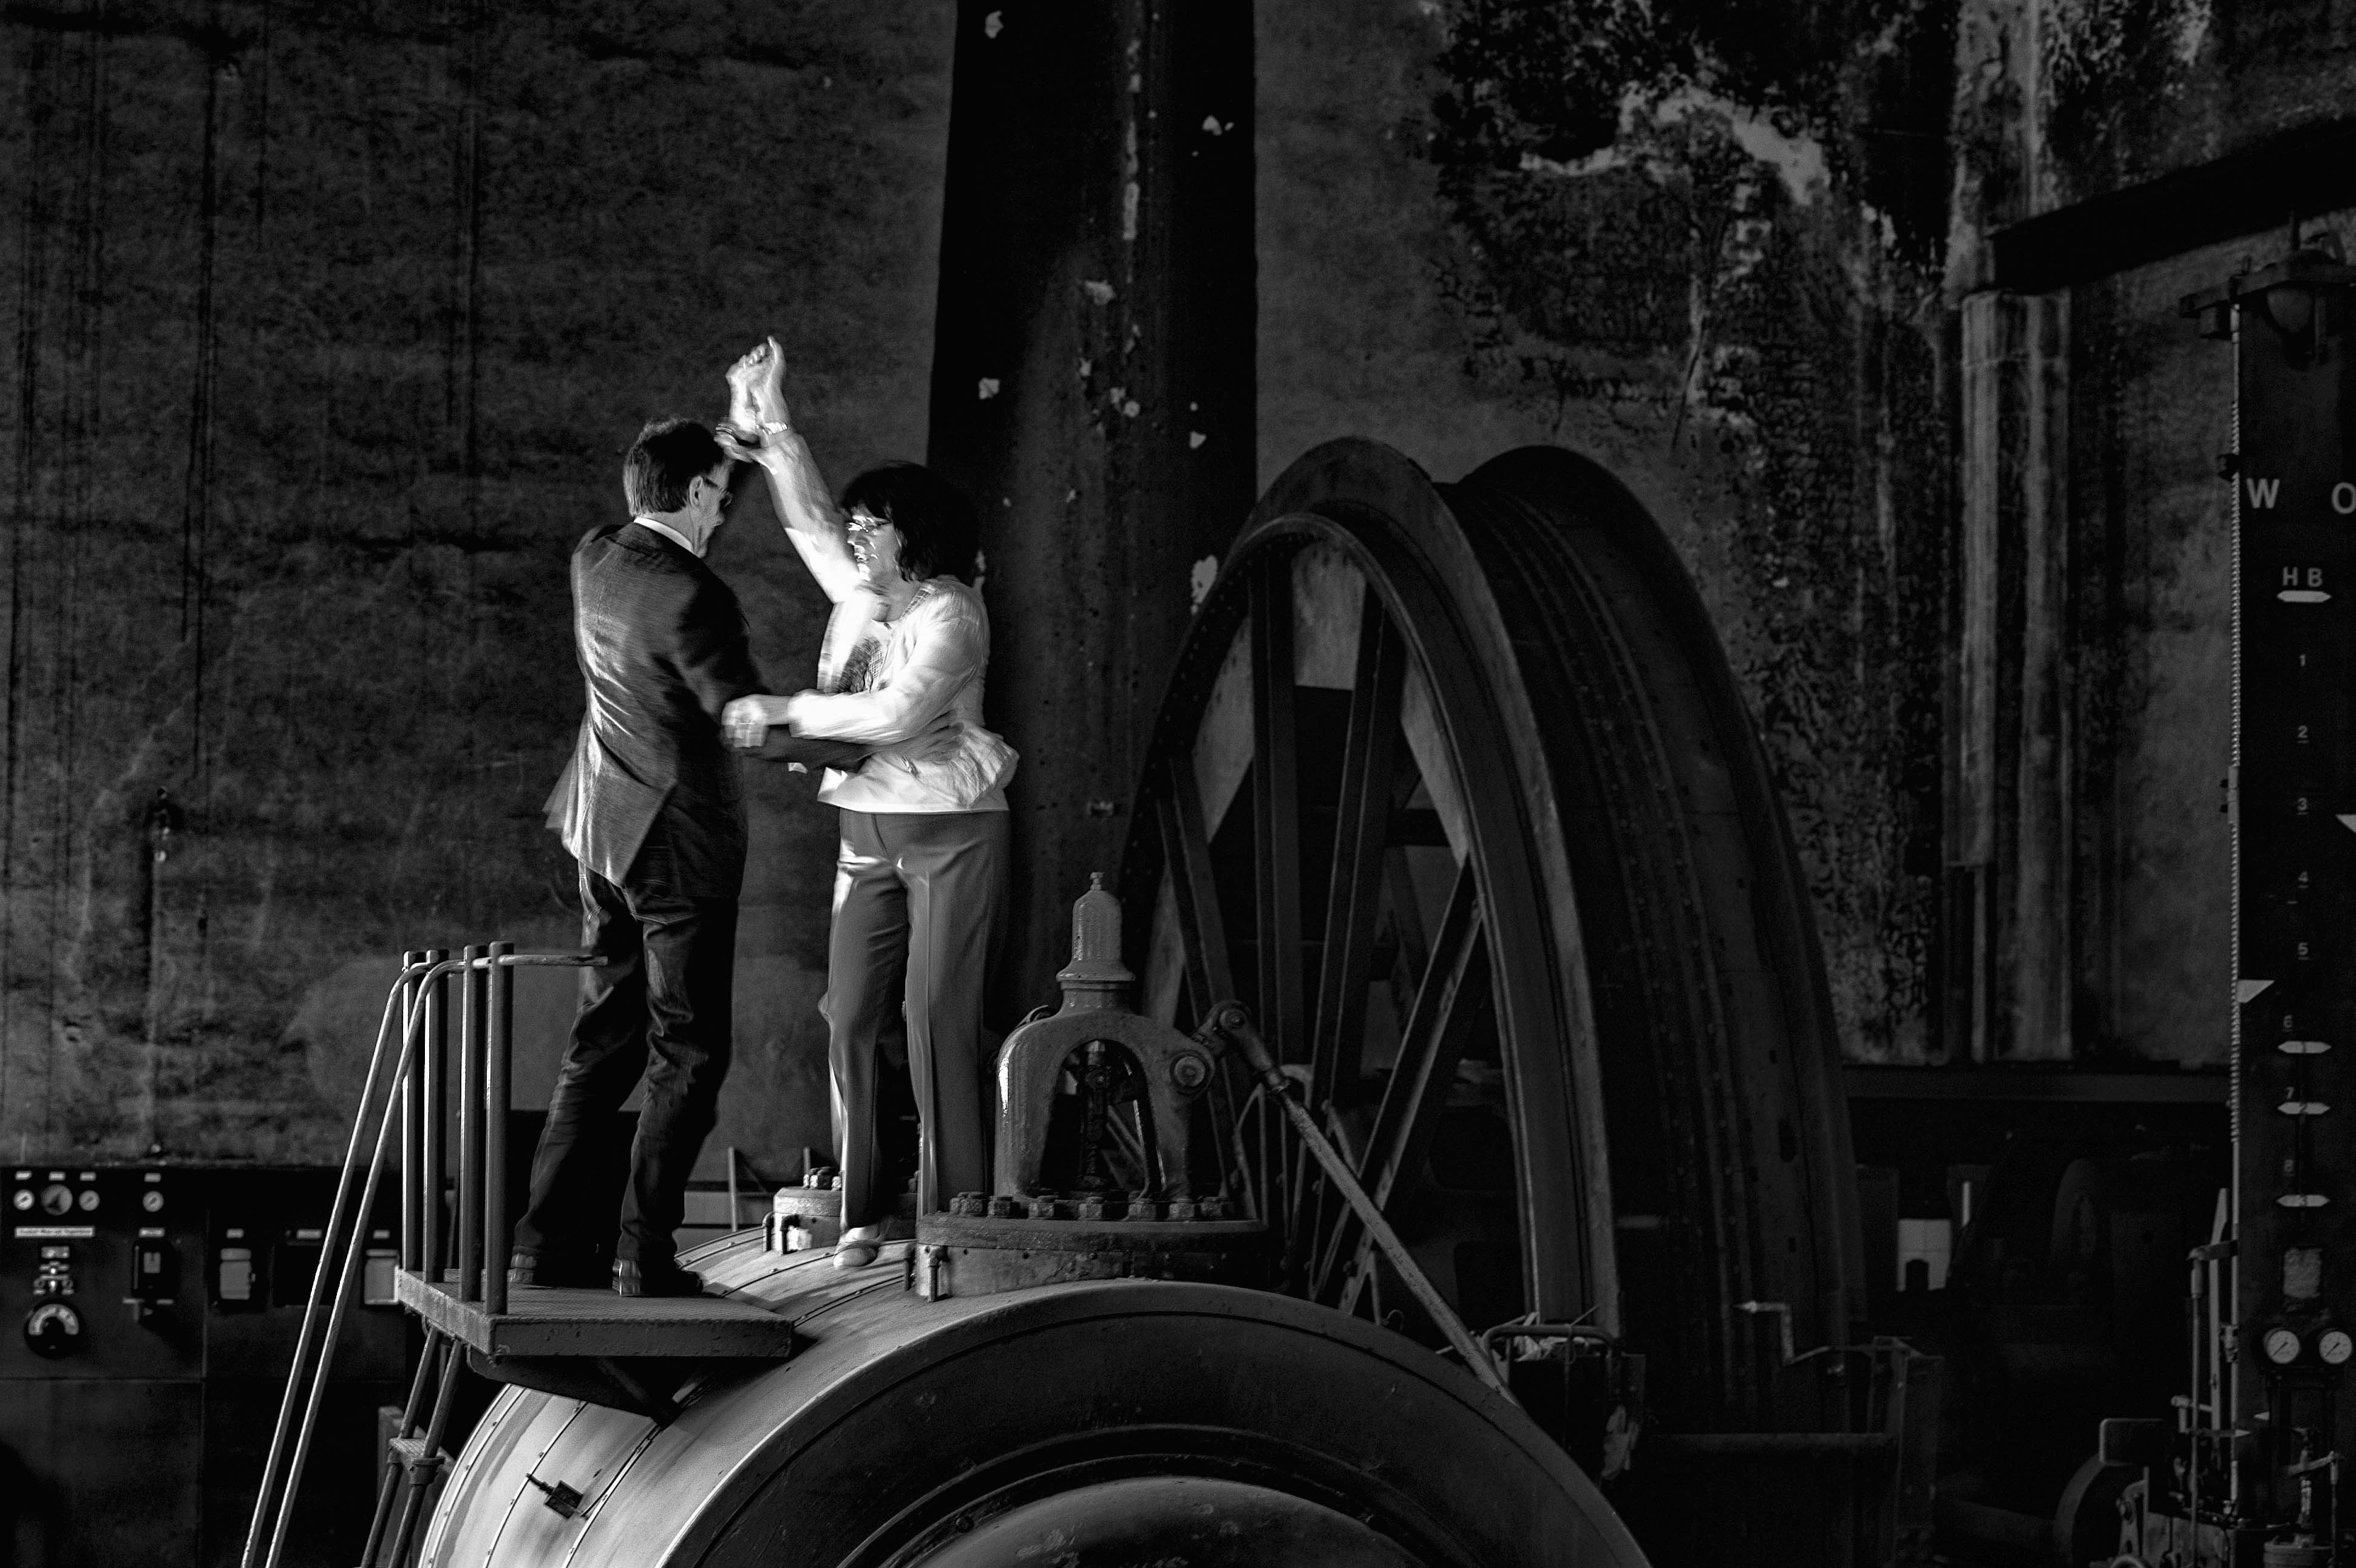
column 91, row 1272
column 147, row 1317
column 2294, row 884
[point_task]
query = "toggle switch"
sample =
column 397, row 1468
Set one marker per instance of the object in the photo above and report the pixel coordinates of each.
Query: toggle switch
column 155, row 1275
column 236, row 1274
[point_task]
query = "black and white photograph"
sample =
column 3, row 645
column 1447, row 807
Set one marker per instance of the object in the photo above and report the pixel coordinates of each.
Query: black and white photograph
column 1178, row 783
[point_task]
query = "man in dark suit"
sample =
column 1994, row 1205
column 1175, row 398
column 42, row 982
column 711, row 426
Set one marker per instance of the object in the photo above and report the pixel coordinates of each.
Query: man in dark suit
column 652, row 807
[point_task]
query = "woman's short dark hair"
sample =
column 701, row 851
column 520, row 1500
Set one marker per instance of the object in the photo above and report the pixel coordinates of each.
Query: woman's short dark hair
column 939, row 533
column 663, row 461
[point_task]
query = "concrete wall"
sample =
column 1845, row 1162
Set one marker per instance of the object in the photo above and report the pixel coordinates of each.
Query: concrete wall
column 1965, row 549
column 2057, row 105
column 1488, row 226
column 330, row 325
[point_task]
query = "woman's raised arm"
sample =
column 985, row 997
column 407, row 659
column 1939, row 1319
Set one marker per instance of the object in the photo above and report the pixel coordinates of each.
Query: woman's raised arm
column 797, row 488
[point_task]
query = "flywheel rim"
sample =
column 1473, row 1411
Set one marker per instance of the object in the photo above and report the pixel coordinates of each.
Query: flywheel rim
column 1436, row 557
column 1346, row 495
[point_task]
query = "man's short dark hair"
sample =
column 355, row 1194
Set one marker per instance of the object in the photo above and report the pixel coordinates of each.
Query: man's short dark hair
column 663, row 461
column 939, row 532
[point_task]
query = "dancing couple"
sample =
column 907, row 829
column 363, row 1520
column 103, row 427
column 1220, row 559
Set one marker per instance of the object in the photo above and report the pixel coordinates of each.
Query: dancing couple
column 652, row 807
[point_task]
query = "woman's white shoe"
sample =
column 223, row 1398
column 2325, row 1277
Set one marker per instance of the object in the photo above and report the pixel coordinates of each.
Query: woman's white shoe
column 858, row 1247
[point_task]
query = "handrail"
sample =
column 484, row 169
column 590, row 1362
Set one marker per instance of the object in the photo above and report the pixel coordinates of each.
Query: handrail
column 318, row 1281
column 413, row 1097
column 474, row 1258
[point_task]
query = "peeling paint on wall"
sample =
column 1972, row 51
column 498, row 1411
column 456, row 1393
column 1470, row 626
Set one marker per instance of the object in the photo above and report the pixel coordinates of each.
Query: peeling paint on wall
column 1671, row 211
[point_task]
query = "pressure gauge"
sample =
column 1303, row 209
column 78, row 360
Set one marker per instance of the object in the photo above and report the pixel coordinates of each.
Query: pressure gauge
column 2282, row 1346
column 2334, row 1345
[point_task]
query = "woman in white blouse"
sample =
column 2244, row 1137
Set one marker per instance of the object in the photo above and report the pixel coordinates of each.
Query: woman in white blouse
column 922, row 878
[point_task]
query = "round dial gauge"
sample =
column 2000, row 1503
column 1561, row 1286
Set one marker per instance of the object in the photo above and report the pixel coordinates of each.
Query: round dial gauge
column 88, row 1199
column 56, row 1198
column 24, row 1198
column 53, row 1329
column 2334, row 1345
column 2282, row 1346
column 152, row 1202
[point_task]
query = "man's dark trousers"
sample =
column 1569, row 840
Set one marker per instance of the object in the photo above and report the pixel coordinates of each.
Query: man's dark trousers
column 662, row 1006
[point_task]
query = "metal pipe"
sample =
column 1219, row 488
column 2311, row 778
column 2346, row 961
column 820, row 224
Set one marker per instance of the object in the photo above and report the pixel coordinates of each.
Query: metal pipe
column 1734, row 1444
column 386, row 1489
column 347, row 1287
column 501, row 1067
column 262, row 1498
column 428, row 1463
column 1233, row 1022
column 412, row 1107
column 1781, row 1312
column 471, row 981
column 1584, row 1332
column 432, row 1005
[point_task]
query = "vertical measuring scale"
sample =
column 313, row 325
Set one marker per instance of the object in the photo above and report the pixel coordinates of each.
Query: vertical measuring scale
column 2292, row 1295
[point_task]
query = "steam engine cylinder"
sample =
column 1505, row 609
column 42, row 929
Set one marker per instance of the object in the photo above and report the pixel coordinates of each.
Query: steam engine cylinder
column 1108, row 1419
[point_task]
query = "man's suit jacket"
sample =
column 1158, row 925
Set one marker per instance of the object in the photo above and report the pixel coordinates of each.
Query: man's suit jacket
column 663, row 648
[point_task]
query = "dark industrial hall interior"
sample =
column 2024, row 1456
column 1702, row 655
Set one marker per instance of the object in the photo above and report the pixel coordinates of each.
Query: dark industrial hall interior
column 1671, row 681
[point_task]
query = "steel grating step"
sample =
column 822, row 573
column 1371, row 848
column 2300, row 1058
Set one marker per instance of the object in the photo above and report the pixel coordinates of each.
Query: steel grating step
column 597, row 1323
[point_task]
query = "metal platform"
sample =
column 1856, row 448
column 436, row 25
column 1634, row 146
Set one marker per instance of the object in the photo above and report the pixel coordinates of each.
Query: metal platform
column 597, row 1323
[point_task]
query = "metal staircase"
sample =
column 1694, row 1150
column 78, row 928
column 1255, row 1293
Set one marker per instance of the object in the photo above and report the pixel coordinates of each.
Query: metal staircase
column 628, row 1353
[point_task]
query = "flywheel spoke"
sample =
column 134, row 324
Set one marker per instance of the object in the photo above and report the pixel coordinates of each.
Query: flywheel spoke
column 1455, row 985
column 1362, row 830
column 1187, row 859
column 1276, row 809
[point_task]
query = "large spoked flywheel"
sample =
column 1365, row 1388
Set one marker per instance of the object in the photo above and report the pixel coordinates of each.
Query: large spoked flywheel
column 1454, row 787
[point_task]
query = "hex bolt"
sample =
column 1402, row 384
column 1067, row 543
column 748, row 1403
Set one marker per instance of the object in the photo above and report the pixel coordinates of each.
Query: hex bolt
column 1182, row 1209
column 1042, row 1206
column 1189, row 1072
column 1002, row 1208
column 1141, row 1205
column 1092, row 1207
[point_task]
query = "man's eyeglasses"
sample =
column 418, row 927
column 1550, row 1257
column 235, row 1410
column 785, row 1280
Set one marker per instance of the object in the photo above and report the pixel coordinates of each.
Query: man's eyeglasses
column 726, row 498
column 861, row 522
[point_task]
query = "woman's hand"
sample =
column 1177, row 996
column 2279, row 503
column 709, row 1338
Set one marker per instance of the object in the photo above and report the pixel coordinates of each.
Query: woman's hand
column 756, row 388
column 742, row 412
column 769, row 391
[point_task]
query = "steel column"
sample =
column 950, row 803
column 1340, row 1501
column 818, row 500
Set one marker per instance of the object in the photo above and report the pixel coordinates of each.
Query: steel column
column 1093, row 391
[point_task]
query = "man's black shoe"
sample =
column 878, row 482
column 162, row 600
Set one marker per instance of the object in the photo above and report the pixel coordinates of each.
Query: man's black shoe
column 525, row 1268
column 634, row 1278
